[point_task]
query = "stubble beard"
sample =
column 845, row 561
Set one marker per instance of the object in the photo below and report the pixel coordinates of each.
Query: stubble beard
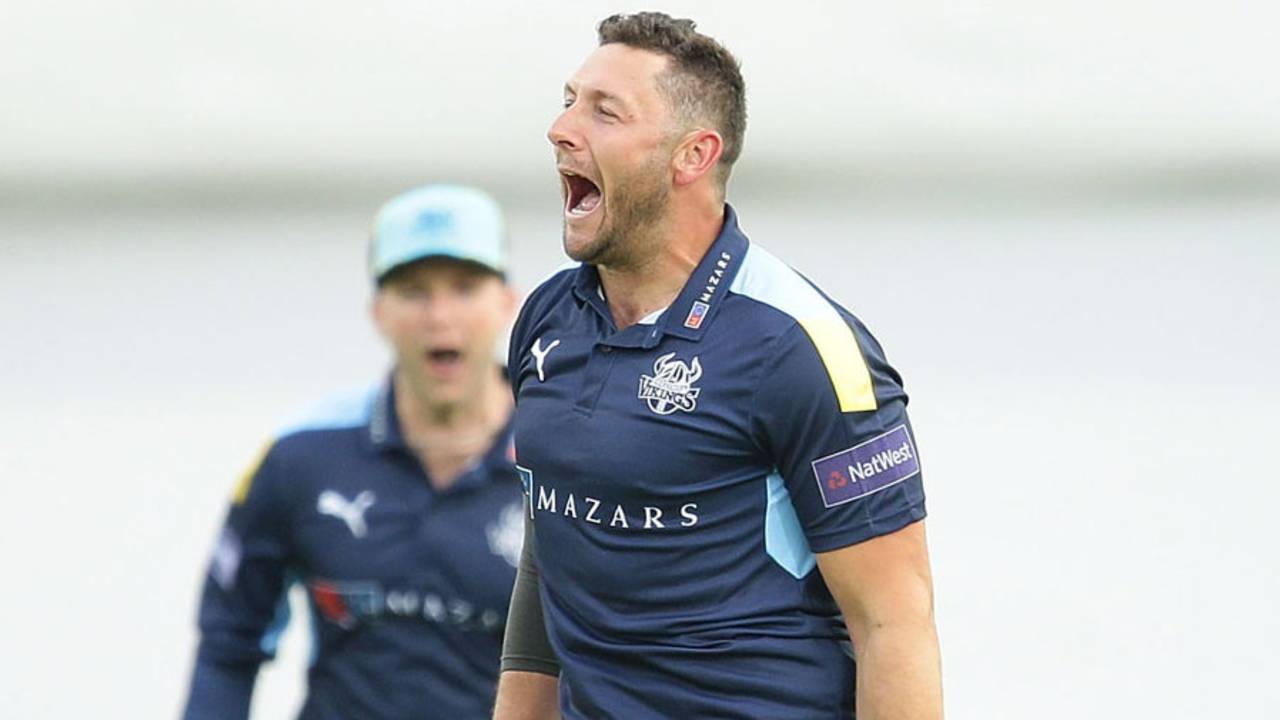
column 632, row 217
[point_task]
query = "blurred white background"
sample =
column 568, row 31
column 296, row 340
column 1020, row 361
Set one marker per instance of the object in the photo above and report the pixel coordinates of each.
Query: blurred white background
column 1061, row 219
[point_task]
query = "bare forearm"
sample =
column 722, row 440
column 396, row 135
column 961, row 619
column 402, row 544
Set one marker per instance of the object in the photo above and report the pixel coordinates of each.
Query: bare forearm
column 527, row 696
column 885, row 589
column 900, row 674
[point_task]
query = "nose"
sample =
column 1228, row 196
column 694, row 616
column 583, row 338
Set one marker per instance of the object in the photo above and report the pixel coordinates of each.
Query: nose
column 562, row 133
column 440, row 311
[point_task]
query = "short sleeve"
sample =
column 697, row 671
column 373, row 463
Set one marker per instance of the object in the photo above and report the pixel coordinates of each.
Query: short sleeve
column 243, row 593
column 852, row 473
column 516, row 350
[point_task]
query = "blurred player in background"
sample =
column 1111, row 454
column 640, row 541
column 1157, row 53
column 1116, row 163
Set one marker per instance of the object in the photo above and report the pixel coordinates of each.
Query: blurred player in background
column 398, row 508
column 723, row 483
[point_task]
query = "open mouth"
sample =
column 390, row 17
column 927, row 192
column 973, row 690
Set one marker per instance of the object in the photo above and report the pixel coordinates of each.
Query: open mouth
column 444, row 358
column 582, row 196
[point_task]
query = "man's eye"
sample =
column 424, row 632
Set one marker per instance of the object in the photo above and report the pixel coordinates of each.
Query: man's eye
column 568, row 103
column 608, row 113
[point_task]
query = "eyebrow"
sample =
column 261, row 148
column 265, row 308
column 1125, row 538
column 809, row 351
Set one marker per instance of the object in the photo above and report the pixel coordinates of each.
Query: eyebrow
column 595, row 92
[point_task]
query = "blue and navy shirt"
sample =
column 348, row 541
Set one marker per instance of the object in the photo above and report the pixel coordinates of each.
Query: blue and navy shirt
column 681, row 475
column 408, row 586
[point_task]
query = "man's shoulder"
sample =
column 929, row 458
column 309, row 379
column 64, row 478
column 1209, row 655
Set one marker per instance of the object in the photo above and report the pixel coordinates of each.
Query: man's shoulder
column 543, row 301
column 553, row 287
column 304, row 446
column 777, row 301
column 342, row 411
column 779, row 295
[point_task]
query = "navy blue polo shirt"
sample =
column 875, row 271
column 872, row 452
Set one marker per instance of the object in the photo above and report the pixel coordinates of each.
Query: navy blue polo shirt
column 682, row 472
column 408, row 586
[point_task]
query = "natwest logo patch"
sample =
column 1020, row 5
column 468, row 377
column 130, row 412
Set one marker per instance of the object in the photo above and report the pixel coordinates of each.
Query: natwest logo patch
column 867, row 468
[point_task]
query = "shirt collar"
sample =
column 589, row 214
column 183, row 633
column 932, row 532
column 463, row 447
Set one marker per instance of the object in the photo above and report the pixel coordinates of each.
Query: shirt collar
column 695, row 307
column 384, row 424
column 650, row 319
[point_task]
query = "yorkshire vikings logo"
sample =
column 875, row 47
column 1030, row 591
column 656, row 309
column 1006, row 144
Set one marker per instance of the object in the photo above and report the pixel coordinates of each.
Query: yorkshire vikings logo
column 671, row 386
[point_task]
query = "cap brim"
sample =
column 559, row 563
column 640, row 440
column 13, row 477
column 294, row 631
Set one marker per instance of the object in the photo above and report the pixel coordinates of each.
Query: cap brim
column 386, row 275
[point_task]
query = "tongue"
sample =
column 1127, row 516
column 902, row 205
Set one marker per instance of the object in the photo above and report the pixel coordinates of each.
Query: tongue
column 589, row 202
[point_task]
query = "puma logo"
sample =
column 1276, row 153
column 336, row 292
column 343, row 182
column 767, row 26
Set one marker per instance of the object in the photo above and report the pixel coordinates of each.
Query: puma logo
column 540, row 355
column 352, row 513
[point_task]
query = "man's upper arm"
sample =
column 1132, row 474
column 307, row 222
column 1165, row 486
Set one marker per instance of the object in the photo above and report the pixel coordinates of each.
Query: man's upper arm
column 851, row 469
column 516, row 350
column 247, row 572
column 881, row 581
column 243, row 605
column 885, row 592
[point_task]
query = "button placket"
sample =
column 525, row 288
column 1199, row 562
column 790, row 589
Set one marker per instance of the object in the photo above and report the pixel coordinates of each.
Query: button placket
column 594, row 379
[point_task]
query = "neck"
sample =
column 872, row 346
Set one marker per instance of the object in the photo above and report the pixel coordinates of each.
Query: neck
column 449, row 437
column 652, row 283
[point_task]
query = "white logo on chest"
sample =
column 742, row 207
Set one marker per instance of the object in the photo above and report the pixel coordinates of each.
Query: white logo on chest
column 670, row 388
column 352, row 513
column 540, row 355
column 506, row 534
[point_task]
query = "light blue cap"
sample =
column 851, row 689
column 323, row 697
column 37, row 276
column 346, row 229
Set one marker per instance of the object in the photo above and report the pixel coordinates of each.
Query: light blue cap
column 438, row 221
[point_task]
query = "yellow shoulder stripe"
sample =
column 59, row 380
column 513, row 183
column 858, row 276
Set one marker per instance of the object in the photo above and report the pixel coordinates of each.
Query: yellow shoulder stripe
column 246, row 481
column 845, row 364
column 770, row 281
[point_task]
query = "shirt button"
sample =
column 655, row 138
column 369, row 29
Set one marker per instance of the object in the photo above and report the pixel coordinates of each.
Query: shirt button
column 606, row 349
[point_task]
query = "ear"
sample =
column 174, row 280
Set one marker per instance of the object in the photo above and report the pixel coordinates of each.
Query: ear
column 697, row 155
column 377, row 312
column 511, row 302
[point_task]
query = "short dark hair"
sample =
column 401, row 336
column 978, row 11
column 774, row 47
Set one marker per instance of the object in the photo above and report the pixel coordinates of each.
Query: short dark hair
column 704, row 81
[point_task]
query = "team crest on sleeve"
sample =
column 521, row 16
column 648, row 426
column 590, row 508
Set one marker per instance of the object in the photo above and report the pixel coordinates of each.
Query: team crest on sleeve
column 226, row 558
column 670, row 388
column 866, row 468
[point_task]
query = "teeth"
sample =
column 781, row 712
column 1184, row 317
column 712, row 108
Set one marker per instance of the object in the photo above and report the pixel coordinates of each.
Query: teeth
column 582, row 194
column 588, row 203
